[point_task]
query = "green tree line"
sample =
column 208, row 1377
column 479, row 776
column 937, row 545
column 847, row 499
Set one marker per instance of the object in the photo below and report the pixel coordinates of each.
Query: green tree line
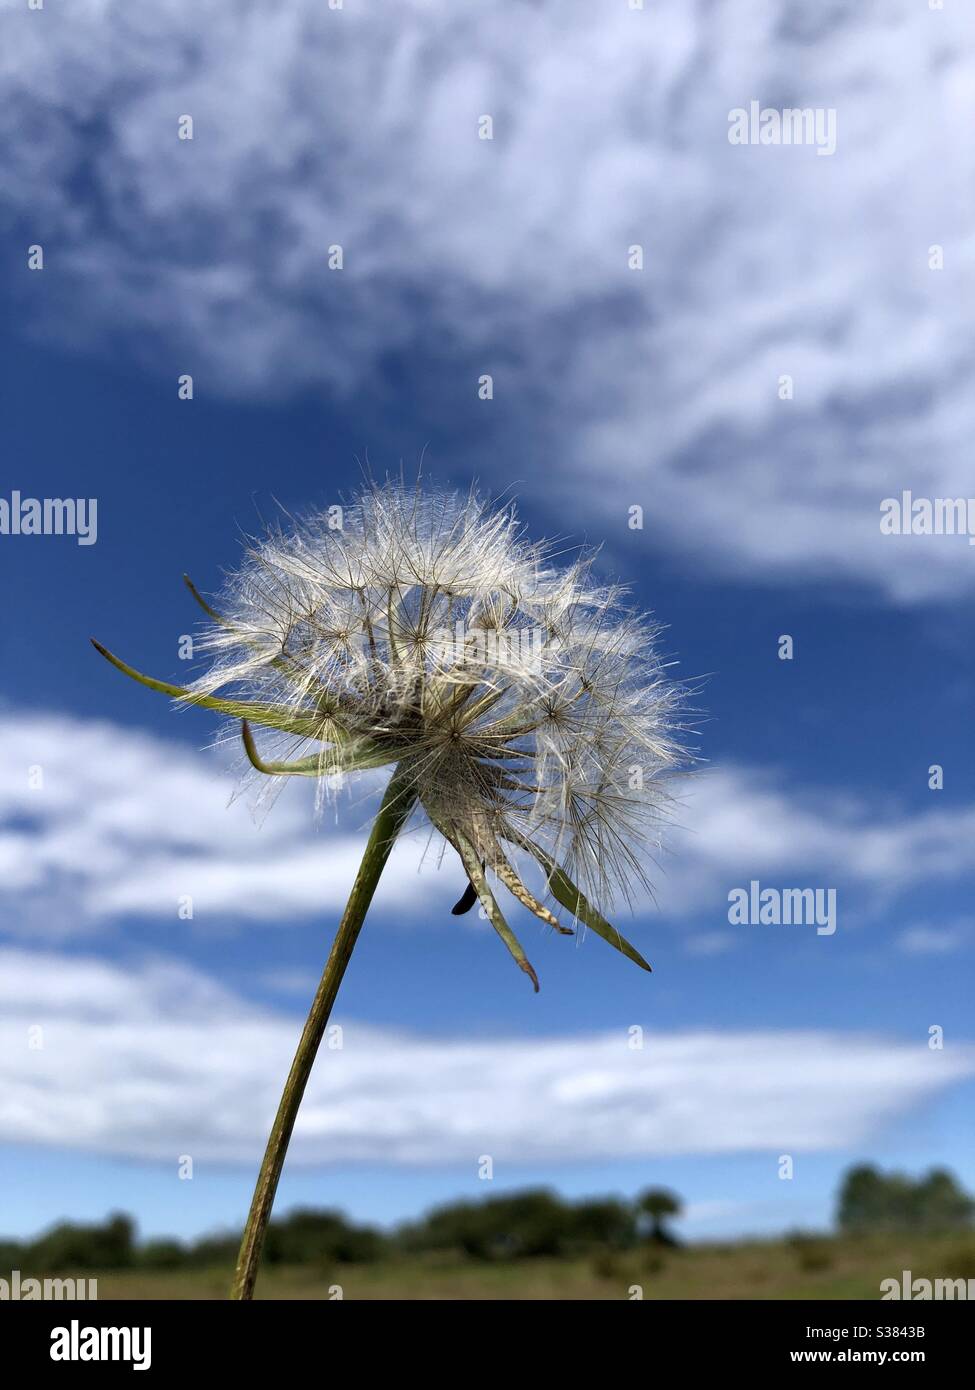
column 511, row 1226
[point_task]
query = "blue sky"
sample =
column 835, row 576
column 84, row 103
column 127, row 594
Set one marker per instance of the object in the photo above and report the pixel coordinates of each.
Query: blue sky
column 612, row 388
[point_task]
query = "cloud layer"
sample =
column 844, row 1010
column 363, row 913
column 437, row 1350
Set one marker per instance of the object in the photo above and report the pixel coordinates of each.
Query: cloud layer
column 315, row 127
column 159, row 1061
column 98, row 822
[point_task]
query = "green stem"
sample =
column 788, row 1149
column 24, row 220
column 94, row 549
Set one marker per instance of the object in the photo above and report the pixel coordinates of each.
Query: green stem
column 396, row 806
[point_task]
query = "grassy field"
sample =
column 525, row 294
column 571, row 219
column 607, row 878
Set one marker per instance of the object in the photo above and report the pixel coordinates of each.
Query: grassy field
column 804, row 1268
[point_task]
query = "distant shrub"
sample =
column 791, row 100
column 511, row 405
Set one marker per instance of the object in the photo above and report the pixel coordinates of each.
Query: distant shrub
column 307, row 1236
column 162, row 1254
column 657, row 1206
column 69, row 1246
column 874, row 1202
column 509, row 1227
column 600, row 1222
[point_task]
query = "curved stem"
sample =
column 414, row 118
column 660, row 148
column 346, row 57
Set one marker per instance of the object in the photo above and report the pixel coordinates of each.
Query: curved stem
column 396, row 806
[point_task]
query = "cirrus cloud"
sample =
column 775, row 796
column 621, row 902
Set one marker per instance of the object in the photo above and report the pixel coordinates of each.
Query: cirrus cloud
column 316, row 127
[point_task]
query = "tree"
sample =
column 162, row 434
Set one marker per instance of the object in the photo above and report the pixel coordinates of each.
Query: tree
column 870, row 1201
column 942, row 1203
column 603, row 1222
column 307, row 1236
column 163, row 1254
column 507, row 1227
column 658, row 1204
column 864, row 1200
column 71, row 1246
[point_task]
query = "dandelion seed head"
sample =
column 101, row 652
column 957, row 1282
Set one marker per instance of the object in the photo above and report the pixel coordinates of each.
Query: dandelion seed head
column 527, row 705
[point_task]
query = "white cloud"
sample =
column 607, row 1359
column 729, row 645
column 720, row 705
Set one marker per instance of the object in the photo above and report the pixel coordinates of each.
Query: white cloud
column 128, row 824
column 942, row 939
column 711, row 943
column 317, row 126
column 154, row 1061
column 743, row 823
